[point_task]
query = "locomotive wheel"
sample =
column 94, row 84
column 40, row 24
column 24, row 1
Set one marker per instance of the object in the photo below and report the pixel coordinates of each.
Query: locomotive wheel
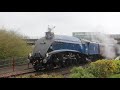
column 88, row 60
column 67, row 62
column 37, row 66
column 66, row 59
column 78, row 58
column 49, row 66
column 62, row 62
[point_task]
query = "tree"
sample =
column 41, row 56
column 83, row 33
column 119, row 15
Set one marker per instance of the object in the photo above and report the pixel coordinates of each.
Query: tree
column 12, row 45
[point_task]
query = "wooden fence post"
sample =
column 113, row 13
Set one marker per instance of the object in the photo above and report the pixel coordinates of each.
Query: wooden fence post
column 28, row 65
column 13, row 64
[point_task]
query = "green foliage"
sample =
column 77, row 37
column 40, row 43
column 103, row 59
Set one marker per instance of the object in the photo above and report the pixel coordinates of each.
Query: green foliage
column 79, row 72
column 98, row 69
column 12, row 45
column 114, row 76
column 117, row 62
column 102, row 68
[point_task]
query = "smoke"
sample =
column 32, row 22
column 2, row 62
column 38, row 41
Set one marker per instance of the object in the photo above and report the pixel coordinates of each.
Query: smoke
column 109, row 46
column 108, row 51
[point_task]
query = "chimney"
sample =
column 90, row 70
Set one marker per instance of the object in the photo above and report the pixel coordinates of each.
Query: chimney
column 49, row 34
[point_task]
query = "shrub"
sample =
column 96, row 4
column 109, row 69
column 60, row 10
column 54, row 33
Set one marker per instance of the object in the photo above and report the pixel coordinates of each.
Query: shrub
column 12, row 45
column 102, row 68
column 79, row 72
column 114, row 76
column 117, row 62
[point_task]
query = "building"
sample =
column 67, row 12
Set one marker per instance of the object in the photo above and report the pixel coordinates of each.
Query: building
column 116, row 37
column 91, row 36
column 96, row 36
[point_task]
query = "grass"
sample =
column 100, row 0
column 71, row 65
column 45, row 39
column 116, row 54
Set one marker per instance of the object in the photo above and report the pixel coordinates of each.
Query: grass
column 53, row 75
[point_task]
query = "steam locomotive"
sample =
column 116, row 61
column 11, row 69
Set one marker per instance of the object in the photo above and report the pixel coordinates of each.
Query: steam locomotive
column 61, row 51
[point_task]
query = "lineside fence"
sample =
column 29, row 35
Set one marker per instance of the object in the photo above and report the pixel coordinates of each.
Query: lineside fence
column 14, row 66
column 14, row 62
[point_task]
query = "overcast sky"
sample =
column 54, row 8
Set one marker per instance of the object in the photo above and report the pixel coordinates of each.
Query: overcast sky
column 36, row 23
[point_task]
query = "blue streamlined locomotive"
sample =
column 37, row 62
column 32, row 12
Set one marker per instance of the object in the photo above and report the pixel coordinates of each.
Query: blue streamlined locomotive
column 60, row 51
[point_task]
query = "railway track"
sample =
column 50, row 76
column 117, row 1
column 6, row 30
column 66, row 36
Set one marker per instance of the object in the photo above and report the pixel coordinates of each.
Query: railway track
column 63, row 71
column 14, row 74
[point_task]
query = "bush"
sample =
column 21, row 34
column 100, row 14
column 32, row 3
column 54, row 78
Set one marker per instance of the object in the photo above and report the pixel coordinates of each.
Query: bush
column 79, row 72
column 117, row 62
column 114, row 76
column 102, row 68
column 12, row 45
column 98, row 69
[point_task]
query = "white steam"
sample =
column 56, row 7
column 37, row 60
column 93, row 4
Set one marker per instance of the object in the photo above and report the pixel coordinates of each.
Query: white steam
column 108, row 51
